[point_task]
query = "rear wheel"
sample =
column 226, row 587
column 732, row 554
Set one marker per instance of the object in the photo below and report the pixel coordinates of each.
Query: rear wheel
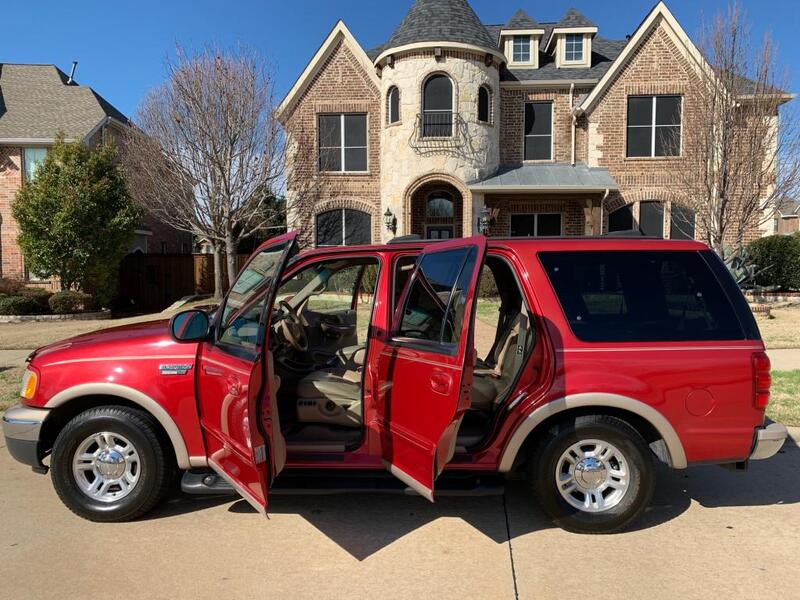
column 593, row 474
column 111, row 464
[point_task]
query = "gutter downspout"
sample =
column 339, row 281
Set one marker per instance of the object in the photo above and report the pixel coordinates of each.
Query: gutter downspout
column 574, row 120
column 602, row 210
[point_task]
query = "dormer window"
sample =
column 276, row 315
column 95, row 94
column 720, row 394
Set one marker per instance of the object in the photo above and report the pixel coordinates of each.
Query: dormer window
column 522, row 49
column 573, row 47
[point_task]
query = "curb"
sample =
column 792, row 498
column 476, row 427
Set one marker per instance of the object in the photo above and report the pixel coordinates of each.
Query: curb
column 83, row 316
column 794, row 434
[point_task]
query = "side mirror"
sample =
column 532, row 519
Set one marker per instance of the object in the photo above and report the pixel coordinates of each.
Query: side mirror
column 190, row 326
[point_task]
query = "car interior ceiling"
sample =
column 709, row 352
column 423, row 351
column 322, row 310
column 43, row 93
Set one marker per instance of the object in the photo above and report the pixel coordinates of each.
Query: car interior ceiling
column 321, row 382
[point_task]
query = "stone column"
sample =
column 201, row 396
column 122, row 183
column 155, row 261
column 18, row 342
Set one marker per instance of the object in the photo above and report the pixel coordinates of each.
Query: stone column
column 475, row 210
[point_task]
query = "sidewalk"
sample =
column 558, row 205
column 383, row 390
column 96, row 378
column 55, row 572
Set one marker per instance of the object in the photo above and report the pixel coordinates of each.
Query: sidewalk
column 785, row 360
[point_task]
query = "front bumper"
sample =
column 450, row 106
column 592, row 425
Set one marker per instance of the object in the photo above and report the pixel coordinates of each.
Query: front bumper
column 768, row 441
column 21, row 427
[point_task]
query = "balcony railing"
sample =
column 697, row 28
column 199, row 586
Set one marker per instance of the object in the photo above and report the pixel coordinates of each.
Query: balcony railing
column 438, row 131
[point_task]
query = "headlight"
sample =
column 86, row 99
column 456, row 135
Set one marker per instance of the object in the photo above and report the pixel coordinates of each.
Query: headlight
column 30, row 381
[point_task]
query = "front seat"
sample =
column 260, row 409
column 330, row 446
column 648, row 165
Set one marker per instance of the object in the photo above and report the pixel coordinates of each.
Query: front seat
column 332, row 396
column 491, row 381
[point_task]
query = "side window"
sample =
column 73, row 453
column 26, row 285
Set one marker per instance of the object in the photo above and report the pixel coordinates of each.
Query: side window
column 338, row 292
column 434, row 308
column 402, row 271
column 241, row 314
column 641, row 297
column 487, row 312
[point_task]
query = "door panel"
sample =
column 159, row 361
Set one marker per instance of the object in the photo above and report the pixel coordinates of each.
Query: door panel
column 425, row 366
column 236, row 383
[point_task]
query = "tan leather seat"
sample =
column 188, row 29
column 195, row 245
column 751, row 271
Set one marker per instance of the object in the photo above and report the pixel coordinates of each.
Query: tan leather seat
column 491, row 383
column 333, row 396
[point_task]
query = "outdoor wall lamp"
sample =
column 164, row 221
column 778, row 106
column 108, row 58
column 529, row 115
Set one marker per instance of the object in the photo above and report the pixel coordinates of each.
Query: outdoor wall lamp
column 484, row 221
column 390, row 221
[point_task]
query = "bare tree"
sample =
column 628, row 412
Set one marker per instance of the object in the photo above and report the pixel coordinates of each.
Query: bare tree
column 207, row 155
column 739, row 140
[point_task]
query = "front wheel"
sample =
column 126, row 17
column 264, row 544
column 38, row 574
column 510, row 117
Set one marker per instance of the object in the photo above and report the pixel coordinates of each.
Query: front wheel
column 110, row 464
column 593, row 474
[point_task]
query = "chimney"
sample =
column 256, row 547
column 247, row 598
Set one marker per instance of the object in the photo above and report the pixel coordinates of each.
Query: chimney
column 72, row 72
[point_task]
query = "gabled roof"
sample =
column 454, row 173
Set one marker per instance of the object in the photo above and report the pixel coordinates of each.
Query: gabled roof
column 521, row 20
column 441, row 21
column 604, row 52
column 37, row 102
column 340, row 33
column 574, row 19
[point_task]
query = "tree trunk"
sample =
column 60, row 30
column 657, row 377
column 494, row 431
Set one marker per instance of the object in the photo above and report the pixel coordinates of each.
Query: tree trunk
column 217, row 250
column 230, row 256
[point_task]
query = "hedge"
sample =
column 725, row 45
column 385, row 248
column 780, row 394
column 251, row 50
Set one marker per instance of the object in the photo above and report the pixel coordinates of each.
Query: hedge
column 19, row 305
column 69, row 301
column 777, row 260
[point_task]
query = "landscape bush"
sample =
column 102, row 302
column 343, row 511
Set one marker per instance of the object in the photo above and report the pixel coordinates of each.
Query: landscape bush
column 69, row 301
column 10, row 287
column 777, row 260
column 41, row 295
column 19, row 305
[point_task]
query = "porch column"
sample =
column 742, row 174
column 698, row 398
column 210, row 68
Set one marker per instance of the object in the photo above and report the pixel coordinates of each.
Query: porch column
column 591, row 214
column 471, row 221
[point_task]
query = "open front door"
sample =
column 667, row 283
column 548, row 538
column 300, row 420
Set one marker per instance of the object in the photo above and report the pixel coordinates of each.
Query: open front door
column 425, row 367
column 235, row 381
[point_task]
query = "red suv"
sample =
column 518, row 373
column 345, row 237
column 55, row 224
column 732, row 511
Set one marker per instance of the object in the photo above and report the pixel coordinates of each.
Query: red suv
column 449, row 364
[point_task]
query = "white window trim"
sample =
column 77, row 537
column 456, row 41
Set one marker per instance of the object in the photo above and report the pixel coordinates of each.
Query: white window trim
column 652, row 126
column 533, row 37
column 490, row 120
column 341, row 141
column 393, row 89
column 535, row 216
column 552, row 136
column 582, row 39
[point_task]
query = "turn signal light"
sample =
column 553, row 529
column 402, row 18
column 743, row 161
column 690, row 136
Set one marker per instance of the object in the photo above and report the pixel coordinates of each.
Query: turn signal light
column 29, row 383
column 762, row 380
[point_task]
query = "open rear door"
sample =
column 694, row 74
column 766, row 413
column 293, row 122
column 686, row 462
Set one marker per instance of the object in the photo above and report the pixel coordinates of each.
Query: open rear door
column 425, row 366
column 235, row 380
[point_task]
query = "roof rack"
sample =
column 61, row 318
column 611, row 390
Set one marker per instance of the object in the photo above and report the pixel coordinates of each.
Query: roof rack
column 405, row 239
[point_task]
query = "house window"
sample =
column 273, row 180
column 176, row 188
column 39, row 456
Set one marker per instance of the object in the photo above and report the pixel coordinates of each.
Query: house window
column 343, row 142
column 681, row 223
column 484, row 104
column 394, row 105
column 440, row 206
column 621, row 219
column 536, row 225
column 437, row 107
column 343, row 227
column 654, row 126
column 521, row 49
column 651, row 218
column 538, row 130
column 33, row 157
column 573, row 49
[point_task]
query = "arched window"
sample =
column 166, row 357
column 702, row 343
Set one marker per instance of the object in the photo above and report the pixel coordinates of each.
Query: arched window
column 343, row 227
column 437, row 106
column 393, row 105
column 621, row 219
column 440, row 206
column 484, row 104
column 681, row 222
column 651, row 218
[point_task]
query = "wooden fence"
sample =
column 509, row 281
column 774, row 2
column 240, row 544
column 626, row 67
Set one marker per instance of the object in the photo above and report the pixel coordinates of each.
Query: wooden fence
column 154, row 281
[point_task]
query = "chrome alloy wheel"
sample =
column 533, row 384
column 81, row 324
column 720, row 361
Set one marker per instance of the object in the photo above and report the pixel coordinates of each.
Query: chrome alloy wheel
column 106, row 466
column 592, row 476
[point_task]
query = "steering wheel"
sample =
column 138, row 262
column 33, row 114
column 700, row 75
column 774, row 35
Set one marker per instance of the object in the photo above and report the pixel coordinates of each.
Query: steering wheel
column 293, row 326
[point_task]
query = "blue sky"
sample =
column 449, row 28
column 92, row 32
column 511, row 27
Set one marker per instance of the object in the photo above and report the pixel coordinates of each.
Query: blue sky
column 121, row 46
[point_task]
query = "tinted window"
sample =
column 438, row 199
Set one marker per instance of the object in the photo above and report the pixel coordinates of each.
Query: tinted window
column 239, row 324
column 651, row 219
column 344, row 227
column 343, row 142
column 434, row 307
column 681, row 223
column 437, row 107
column 538, row 130
column 536, row 225
column 484, row 104
column 641, row 296
column 394, row 105
column 654, row 126
column 621, row 219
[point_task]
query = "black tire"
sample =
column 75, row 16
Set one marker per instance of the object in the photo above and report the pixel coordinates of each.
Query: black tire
column 156, row 462
column 544, row 459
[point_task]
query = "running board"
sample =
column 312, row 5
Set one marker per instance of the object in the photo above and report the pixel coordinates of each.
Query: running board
column 316, row 483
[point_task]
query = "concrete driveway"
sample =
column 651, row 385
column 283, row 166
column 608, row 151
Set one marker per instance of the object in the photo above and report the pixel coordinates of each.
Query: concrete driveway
column 710, row 533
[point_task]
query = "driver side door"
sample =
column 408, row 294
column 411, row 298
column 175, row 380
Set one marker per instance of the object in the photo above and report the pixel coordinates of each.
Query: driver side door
column 424, row 370
column 236, row 384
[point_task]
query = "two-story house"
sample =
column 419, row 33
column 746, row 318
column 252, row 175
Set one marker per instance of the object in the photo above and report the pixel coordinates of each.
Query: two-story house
column 38, row 102
column 454, row 127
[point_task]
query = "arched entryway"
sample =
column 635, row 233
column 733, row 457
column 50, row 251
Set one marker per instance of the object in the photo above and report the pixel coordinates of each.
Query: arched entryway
column 437, row 210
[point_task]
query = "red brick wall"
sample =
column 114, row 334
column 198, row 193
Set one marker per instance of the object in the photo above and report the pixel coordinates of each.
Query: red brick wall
column 571, row 210
column 420, row 221
column 341, row 85
column 10, row 181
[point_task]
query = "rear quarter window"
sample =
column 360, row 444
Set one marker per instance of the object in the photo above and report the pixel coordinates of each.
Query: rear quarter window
column 627, row 296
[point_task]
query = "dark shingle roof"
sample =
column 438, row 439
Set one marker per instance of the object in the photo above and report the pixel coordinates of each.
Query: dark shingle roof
column 521, row 20
column 441, row 21
column 574, row 19
column 603, row 54
column 36, row 102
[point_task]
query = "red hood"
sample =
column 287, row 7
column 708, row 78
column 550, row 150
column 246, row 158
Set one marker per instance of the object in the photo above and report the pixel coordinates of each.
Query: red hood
column 150, row 338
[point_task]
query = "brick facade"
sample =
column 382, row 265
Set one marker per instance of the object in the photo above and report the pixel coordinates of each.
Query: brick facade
column 10, row 181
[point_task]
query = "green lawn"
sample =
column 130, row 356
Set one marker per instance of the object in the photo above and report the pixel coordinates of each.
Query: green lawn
column 784, row 400
column 10, row 382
